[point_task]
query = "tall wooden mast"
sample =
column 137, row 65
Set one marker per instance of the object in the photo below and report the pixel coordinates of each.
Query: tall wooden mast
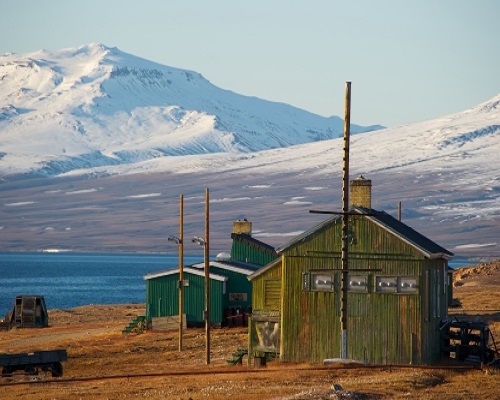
column 345, row 220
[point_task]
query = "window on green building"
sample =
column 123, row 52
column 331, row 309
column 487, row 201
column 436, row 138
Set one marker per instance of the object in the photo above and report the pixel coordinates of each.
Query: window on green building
column 357, row 283
column 396, row 284
column 322, row 282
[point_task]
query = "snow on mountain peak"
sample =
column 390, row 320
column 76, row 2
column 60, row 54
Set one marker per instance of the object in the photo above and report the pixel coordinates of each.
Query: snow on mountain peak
column 97, row 111
column 492, row 105
column 68, row 107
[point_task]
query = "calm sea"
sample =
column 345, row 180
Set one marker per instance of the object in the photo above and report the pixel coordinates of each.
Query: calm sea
column 68, row 280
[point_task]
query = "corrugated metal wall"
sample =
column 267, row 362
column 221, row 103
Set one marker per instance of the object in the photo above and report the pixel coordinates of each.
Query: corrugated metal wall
column 243, row 252
column 237, row 283
column 162, row 298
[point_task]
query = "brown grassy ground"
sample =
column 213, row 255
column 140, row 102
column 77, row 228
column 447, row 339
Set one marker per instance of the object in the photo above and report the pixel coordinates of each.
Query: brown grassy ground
column 104, row 364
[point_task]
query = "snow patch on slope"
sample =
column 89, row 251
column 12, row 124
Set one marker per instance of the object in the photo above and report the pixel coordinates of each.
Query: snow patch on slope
column 96, row 106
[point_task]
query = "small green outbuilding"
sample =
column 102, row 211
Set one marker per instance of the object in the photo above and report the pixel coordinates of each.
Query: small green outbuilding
column 230, row 289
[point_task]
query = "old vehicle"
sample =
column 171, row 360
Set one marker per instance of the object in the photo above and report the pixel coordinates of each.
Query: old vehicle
column 29, row 311
column 34, row 362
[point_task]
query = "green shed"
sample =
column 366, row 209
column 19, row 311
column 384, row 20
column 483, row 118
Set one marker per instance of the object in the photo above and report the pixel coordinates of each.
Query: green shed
column 398, row 292
column 162, row 295
column 230, row 290
column 238, row 288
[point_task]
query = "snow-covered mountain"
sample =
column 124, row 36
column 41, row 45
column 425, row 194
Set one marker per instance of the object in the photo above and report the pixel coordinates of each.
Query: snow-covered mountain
column 98, row 106
column 96, row 146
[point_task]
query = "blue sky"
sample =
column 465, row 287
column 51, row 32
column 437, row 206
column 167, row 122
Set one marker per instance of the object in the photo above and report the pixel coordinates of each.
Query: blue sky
column 408, row 61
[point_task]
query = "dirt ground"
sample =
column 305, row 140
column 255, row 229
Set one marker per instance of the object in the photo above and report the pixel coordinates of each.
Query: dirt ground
column 103, row 363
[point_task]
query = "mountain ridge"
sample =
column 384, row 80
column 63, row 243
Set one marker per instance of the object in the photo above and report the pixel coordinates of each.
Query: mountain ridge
column 85, row 188
column 95, row 99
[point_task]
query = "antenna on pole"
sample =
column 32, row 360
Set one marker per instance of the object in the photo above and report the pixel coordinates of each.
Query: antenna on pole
column 345, row 220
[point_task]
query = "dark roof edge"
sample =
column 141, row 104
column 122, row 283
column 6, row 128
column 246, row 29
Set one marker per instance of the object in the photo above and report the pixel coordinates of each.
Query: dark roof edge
column 440, row 251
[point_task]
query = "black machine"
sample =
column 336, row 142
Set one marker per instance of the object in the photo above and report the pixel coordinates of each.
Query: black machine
column 29, row 311
column 33, row 363
column 468, row 341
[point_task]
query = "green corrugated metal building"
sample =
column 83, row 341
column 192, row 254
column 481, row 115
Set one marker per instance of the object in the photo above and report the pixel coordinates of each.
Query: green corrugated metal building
column 398, row 292
column 230, row 290
column 162, row 295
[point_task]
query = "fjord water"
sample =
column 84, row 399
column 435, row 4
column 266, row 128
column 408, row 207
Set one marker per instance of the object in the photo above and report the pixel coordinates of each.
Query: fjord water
column 69, row 280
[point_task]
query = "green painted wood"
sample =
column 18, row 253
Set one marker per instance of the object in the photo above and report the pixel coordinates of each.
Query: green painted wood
column 393, row 328
column 272, row 294
column 259, row 289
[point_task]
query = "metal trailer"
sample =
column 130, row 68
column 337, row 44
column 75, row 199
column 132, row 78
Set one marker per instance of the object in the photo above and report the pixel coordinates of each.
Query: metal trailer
column 33, row 363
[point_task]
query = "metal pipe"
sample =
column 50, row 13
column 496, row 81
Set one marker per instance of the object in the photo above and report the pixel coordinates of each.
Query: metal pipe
column 238, row 371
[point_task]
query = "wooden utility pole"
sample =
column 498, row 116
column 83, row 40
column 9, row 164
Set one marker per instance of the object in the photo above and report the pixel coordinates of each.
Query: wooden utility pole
column 345, row 221
column 207, row 278
column 181, row 268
